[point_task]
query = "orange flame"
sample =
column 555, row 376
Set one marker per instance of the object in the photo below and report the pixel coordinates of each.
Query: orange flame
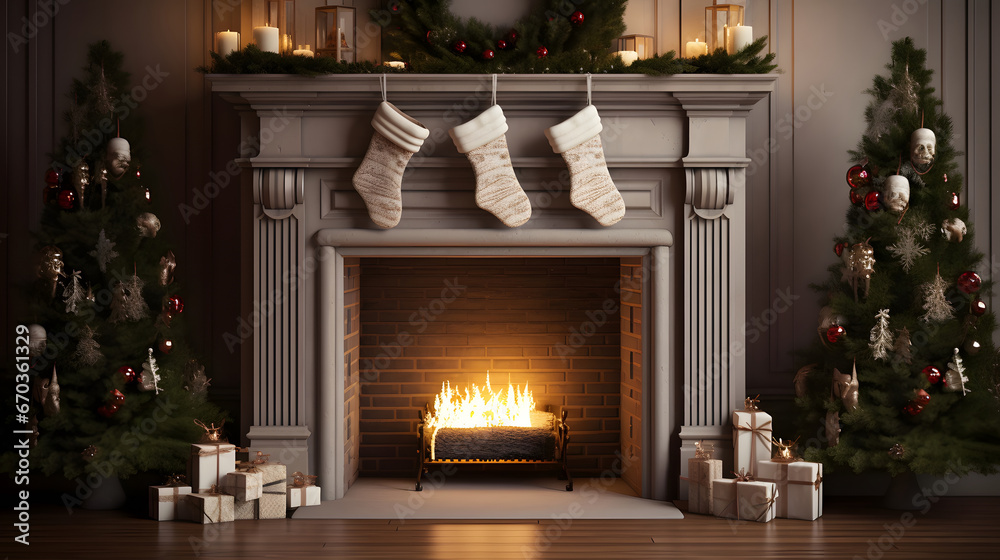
column 479, row 408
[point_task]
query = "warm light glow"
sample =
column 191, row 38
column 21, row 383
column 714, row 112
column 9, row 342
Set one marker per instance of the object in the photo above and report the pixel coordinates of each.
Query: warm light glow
column 479, row 408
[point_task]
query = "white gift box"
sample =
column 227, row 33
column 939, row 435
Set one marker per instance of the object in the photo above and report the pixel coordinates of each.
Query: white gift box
column 746, row 501
column 299, row 496
column 210, row 508
column 751, row 440
column 244, row 486
column 800, row 487
column 701, row 473
column 209, row 464
column 167, row 503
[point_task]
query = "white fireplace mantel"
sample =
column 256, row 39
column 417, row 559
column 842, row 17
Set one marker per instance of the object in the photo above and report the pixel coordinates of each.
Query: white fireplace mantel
column 676, row 147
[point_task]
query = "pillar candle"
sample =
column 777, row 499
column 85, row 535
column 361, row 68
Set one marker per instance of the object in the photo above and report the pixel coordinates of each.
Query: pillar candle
column 226, row 42
column 307, row 52
column 398, row 64
column 266, row 38
column 738, row 37
column 338, row 45
column 628, row 57
column 695, row 48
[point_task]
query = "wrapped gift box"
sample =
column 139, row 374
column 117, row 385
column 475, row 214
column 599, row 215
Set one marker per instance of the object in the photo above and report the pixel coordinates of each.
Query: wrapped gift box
column 243, row 485
column 167, row 503
column 299, row 496
column 272, row 503
column 209, row 464
column 701, row 473
column 800, row 487
column 744, row 500
column 751, row 438
column 246, row 509
column 210, row 508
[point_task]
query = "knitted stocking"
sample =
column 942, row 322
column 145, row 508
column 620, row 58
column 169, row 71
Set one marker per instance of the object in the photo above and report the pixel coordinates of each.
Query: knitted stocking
column 591, row 188
column 379, row 178
column 497, row 190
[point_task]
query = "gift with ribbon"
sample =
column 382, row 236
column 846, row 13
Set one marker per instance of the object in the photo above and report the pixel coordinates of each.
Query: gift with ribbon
column 243, row 484
column 303, row 491
column 166, row 502
column 702, row 470
column 210, row 463
column 751, row 436
column 800, row 487
column 211, row 507
column 743, row 498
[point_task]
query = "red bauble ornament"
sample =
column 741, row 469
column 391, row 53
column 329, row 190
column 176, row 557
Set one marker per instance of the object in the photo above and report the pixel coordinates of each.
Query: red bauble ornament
column 577, row 18
column 501, row 44
column 107, row 410
column 856, row 197
column 933, row 374
column 394, row 7
column 429, row 37
column 166, row 345
column 955, row 202
column 978, row 307
column 873, row 201
column 460, row 46
column 52, row 177
column 175, row 304
column 969, row 282
column 488, row 54
column 858, row 177
column 922, row 398
column 839, row 248
column 913, row 408
column 542, row 52
column 835, row 333
column 128, row 373
column 117, row 397
column 66, row 199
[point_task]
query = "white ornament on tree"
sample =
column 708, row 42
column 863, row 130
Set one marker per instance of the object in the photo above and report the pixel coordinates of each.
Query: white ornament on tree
column 955, row 378
column 936, row 306
column 37, row 339
column 954, row 230
column 149, row 379
column 148, row 224
column 119, row 157
column 881, row 339
column 73, row 293
column 923, row 147
column 859, row 261
column 907, row 248
column 897, row 193
column 105, row 251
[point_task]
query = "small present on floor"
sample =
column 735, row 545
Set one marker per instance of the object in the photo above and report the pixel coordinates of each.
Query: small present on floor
column 744, row 499
column 800, row 483
column 303, row 491
column 702, row 470
column 169, row 501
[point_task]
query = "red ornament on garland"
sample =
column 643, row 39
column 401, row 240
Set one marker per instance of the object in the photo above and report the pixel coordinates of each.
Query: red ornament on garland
column 117, row 397
column 488, row 54
column 922, row 398
column 460, row 46
column 933, row 374
column 969, row 282
column 978, row 307
column 51, row 177
column 857, row 177
column 839, row 248
column 542, row 52
column 577, row 18
column 67, row 199
column 835, row 333
column 128, row 373
column 913, row 408
column 501, row 44
column 955, row 202
column 166, row 345
column 856, row 197
column 873, row 201
column 107, row 410
column 175, row 304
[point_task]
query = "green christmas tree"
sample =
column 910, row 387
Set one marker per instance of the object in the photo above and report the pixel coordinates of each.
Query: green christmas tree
column 114, row 382
column 905, row 304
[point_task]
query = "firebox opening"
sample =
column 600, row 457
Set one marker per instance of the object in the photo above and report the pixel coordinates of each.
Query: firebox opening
column 567, row 328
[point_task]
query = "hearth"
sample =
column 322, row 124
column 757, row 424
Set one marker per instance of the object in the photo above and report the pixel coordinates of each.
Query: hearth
column 676, row 150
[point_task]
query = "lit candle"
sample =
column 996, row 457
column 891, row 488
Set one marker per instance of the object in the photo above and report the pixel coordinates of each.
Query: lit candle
column 628, row 57
column 307, row 52
column 398, row 64
column 266, row 38
column 738, row 37
column 695, row 48
column 227, row 41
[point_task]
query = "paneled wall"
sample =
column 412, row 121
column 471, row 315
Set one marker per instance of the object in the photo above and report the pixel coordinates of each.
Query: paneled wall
column 827, row 51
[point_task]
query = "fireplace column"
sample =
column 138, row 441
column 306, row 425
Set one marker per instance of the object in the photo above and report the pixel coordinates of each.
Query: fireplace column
column 714, row 270
column 278, row 317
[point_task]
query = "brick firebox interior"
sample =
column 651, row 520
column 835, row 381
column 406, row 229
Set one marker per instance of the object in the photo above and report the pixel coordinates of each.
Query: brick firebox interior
column 569, row 327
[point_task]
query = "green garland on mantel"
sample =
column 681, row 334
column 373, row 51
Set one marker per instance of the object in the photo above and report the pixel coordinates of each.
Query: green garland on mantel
column 558, row 37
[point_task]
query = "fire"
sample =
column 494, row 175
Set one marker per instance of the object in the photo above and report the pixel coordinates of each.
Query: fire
column 479, row 408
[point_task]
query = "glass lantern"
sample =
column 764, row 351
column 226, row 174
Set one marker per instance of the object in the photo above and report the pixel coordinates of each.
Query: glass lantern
column 281, row 14
column 642, row 45
column 717, row 18
column 335, row 32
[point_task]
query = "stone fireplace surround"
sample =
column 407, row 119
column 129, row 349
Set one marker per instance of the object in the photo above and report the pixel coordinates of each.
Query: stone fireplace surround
column 676, row 149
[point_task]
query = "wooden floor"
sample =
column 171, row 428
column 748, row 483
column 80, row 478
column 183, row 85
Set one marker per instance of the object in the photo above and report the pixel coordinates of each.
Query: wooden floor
column 952, row 528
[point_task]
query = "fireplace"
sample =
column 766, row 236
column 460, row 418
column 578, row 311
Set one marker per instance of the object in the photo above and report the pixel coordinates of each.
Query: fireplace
column 334, row 297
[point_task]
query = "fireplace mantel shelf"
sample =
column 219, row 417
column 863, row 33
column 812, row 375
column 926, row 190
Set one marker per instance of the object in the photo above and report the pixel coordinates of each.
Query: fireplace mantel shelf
column 675, row 147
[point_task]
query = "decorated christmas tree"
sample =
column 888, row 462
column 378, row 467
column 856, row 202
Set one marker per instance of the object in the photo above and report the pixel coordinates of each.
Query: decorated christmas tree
column 114, row 384
column 901, row 377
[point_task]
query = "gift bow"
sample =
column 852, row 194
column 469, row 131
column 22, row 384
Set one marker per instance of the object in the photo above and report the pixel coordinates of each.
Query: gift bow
column 743, row 476
column 300, row 480
column 703, row 451
column 261, row 458
column 750, row 403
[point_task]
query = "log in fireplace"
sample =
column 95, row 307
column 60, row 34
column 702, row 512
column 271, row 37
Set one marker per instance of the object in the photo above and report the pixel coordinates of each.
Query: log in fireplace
column 676, row 150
